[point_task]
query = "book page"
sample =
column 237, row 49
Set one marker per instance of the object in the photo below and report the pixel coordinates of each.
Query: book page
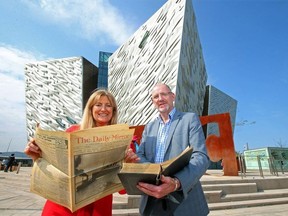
column 167, row 163
column 174, row 165
column 141, row 168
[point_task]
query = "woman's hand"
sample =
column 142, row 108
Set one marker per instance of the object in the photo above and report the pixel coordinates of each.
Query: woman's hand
column 131, row 157
column 32, row 150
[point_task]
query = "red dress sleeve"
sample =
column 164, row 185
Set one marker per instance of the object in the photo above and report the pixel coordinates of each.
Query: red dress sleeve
column 73, row 128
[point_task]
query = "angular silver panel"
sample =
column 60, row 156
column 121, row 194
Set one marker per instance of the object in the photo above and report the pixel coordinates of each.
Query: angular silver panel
column 164, row 49
column 56, row 91
column 217, row 102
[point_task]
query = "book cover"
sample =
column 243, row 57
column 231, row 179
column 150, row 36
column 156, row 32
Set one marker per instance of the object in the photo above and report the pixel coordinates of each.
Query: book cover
column 132, row 173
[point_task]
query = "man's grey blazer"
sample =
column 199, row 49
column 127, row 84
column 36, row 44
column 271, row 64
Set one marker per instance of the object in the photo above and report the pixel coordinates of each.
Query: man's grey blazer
column 185, row 130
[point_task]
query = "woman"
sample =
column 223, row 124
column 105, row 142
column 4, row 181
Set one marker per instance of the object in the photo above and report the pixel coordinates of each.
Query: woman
column 100, row 110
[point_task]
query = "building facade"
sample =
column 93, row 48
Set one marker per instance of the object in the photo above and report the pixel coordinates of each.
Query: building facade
column 56, row 92
column 103, row 69
column 269, row 158
column 166, row 48
column 217, row 102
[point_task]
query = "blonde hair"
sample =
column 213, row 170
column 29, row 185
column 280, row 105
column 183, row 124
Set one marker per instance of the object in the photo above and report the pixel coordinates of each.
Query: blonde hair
column 87, row 118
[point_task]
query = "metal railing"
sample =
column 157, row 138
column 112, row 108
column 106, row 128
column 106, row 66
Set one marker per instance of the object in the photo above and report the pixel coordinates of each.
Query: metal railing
column 258, row 162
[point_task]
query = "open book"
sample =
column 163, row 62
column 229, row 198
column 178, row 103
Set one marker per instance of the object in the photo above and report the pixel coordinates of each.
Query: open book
column 81, row 167
column 132, row 173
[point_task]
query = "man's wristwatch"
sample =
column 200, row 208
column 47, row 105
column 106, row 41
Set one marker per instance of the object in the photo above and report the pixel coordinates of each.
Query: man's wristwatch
column 177, row 183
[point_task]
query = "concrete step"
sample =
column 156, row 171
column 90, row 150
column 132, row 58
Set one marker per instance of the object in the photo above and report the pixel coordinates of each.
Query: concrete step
column 128, row 201
column 234, row 188
column 267, row 194
column 120, row 198
column 247, row 203
column 120, row 201
column 124, row 201
column 215, row 206
column 220, row 200
column 214, row 196
column 262, row 183
column 219, row 196
column 125, row 212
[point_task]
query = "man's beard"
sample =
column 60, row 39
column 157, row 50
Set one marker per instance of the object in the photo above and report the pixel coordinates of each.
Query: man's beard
column 163, row 109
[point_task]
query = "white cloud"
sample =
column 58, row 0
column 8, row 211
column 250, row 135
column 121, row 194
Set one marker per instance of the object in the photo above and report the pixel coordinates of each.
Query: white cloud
column 12, row 94
column 90, row 19
column 12, row 63
column 13, row 60
column 11, row 86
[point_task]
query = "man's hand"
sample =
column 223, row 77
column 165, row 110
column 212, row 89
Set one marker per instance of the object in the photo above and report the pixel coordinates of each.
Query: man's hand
column 131, row 157
column 168, row 185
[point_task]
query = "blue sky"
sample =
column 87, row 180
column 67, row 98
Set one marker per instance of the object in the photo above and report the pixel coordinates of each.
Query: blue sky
column 244, row 44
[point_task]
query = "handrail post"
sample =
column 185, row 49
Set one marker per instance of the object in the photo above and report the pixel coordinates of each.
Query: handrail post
column 260, row 166
column 240, row 165
column 270, row 166
column 281, row 165
column 275, row 168
column 243, row 165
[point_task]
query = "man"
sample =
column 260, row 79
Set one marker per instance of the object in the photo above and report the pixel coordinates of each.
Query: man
column 165, row 138
column 10, row 163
